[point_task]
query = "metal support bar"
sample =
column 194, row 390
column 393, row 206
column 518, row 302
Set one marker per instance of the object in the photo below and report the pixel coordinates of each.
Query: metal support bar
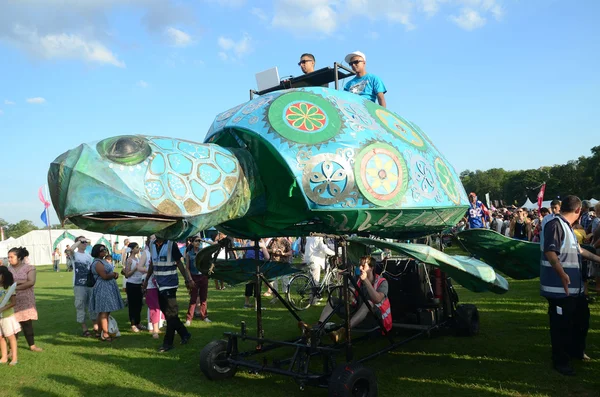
column 391, row 347
column 285, row 303
column 260, row 333
column 347, row 303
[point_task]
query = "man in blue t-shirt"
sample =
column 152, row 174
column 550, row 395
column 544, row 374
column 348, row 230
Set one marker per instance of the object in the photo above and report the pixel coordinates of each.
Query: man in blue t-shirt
column 364, row 84
column 477, row 213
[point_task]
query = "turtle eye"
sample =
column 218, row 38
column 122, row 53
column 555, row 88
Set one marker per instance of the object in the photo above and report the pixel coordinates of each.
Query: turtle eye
column 127, row 149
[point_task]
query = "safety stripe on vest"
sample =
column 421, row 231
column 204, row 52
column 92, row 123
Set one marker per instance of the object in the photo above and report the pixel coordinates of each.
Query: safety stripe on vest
column 558, row 290
column 564, row 265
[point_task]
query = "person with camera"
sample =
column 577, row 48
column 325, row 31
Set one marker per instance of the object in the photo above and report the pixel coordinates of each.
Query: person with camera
column 82, row 261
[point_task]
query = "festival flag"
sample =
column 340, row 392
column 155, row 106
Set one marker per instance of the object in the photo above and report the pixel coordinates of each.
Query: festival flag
column 540, row 195
column 44, row 217
column 42, row 198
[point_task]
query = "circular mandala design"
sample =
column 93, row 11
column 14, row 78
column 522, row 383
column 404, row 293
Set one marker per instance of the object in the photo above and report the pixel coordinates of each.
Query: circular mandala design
column 381, row 174
column 423, row 177
column 396, row 125
column 328, row 179
column 304, row 118
column 447, row 180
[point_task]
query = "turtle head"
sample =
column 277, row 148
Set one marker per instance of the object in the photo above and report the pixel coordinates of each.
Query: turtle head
column 142, row 185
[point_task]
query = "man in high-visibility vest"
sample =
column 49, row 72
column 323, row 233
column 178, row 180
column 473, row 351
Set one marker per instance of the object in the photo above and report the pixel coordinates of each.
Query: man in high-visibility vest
column 562, row 284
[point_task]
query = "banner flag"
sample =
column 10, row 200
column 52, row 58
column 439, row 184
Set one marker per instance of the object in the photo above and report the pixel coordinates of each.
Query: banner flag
column 42, row 198
column 541, row 196
column 44, row 218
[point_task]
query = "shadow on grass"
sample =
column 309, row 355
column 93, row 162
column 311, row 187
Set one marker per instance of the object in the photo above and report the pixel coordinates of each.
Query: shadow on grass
column 87, row 389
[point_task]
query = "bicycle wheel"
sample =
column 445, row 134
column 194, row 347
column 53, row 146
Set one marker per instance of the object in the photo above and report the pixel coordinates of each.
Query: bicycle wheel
column 335, row 280
column 299, row 292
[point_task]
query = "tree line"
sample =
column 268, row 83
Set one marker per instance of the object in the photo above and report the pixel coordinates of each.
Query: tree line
column 22, row 227
column 580, row 177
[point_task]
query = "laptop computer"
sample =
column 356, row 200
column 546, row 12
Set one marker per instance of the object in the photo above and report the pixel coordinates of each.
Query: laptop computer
column 267, row 79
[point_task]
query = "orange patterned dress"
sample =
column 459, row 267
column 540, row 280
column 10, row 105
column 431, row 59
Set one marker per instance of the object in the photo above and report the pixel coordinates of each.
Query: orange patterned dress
column 25, row 305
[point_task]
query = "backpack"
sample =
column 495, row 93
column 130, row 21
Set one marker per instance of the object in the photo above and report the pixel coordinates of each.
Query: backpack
column 91, row 280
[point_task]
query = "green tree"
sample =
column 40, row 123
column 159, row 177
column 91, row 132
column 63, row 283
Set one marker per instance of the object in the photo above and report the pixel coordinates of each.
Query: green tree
column 20, row 228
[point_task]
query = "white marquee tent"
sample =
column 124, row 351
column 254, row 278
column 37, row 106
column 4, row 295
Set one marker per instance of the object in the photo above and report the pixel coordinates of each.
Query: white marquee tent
column 531, row 206
column 41, row 243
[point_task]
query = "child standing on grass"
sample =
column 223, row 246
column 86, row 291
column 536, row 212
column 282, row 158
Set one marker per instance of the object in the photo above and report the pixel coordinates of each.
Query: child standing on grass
column 9, row 326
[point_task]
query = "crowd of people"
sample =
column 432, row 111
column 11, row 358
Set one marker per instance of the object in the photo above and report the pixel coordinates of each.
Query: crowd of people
column 526, row 224
column 569, row 237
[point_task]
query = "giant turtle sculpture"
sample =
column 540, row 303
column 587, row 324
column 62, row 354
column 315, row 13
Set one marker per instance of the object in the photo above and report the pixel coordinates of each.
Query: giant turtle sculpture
column 287, row 163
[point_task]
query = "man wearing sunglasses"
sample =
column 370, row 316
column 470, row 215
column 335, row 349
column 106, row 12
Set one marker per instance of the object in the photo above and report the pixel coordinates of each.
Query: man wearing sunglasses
column 307, row 63
column 364, row 84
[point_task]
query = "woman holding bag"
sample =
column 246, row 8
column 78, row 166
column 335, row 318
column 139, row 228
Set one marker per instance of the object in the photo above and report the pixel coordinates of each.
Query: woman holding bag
column 106, row 297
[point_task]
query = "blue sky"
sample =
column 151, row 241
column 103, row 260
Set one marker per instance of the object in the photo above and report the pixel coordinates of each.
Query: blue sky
column 494, row 83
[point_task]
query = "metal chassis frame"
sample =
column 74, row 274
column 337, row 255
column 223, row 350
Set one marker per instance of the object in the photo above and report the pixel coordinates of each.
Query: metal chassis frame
column 307, row 346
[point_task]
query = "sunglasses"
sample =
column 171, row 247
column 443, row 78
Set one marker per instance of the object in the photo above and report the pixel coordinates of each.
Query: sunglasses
column 354, row 63
column 302, row 62
column 103, row 249
column 197, row 241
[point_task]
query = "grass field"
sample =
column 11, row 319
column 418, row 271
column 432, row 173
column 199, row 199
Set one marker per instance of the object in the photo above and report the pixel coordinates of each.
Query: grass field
column 510, row 356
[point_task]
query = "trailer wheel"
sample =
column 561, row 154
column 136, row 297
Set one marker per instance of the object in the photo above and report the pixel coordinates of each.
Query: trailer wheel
column 352, row 380
column 213, row 361
column 467, row 320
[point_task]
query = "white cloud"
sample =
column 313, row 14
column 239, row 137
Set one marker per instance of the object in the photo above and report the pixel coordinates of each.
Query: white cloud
column 229, row 3
column 36, row 100
column 80, row 30
column 65, row 46
column 234, row 50
column 468, row 19
column 259, row 13
column 7, row 102
column 306, row 16
column 178, row 38
column 142, row 84
column 225, row 43
column 319, row 17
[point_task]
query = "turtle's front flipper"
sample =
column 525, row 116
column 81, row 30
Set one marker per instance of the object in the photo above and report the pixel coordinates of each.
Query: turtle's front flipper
column 468, row 272
column 136, row 185
column 515, row 258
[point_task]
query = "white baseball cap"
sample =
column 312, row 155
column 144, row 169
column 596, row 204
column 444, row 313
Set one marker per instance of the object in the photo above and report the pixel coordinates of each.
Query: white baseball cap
column 353, row 54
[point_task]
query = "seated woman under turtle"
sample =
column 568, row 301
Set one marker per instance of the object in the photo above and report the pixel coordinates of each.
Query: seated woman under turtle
column 375, row 288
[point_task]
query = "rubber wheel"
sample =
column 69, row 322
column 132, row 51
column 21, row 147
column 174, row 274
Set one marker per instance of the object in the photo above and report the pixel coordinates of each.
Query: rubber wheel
column 467, row 320
column 352, row 380
column 299, row 291
column 213, row 361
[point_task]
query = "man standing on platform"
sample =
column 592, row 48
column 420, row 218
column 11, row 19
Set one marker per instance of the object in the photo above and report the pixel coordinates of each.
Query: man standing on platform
column 307, row 63
column 562, row 284
column 166, row 259
column 364, row 84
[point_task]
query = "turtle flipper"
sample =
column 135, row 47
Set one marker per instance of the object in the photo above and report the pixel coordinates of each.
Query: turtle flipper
column 468, row 272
